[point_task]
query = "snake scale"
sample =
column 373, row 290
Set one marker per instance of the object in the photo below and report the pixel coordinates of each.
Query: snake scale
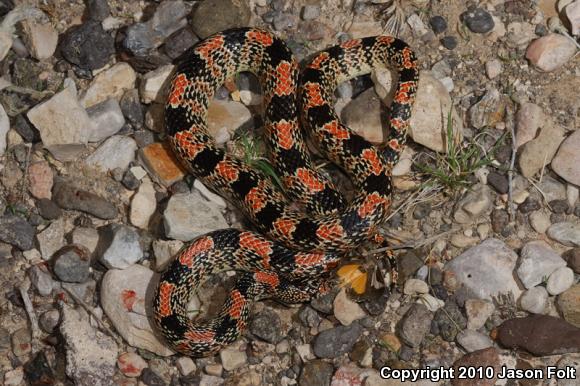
column 291, row 256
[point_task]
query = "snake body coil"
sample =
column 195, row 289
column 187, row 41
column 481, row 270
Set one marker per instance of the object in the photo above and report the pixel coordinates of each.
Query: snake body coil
column 300, row 248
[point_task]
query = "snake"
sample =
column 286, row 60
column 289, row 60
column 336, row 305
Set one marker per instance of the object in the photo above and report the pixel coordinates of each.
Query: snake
column 300, row 232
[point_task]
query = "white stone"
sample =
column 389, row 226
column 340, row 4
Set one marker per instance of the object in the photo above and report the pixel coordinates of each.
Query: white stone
column 537, row 262
column 61, row 120
column 5, row 43
column 120, row 246
column 41, row 39
column 573, row 15
column 415, row 286
column 560, row 280
column 14, row 377
column 143, row 205
column 232, row 358
column 540, row 221
column 152, row 85
column 129, row 315
column 225, row 117
column 493, row 68
column 430, row 301
column 116, row 152
column 185, row 365
column 346, row 310
column 87, row 237
column 111, row 83
column 188, row 215
column 534, row 300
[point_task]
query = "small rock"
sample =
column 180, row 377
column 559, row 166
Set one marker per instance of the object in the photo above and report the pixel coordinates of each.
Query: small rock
column 478, row 311
column 14, row 377
column 164, row 250
column 120, row 246
column 61, row 120
column 489, row 110
column 530, row 204
column 567, row 233
column 550, row 52
column 486, row 269
column 151, row 85
column 68, row 197
column 529, row 118
column 116, row 152
column 433, row 104
column 4, row 128
column 538, row 261
column 540, row 221
column 180, row 42
column 546, row 143
column 569, row 305
column 474, row 204
column 98, row 9
column 316, row 373
column 572, row 257
column 107, row 119
column 449, row 321
column 346, row 310
column 131, row 364
column 212, row 16
column 16, row 231
column 160, row 162
column 572, row 11
column 188, row 215
column 124, row 304
column 87, row 45
column 336, row 341
column 40, row 180
column 267, row 325
column 87, row 237
column 90, row 354
column 566, row 162
column 310, row 12
column 232, row 359
column 493, row 68
column 49, row 320
column 110, row 83
column 185, row 365
column 499, row 220
column 41, row 280
column 21, row 342
column 449, row 42
column 498, row 181
column 72, row 263
column 551, row 335
column 560, row 280
column 534, row 300
column 40, row 39
column 415, row 286
column 225, row 117
column 478, row 20
column 438, row 24
column 143, row 205
column 132, row 108
column 559, row 206
column 415, row 324
column 473, row 341
column 51, row 239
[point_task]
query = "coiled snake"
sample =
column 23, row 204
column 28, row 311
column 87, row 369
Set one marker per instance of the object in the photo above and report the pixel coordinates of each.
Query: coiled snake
column 290, row 263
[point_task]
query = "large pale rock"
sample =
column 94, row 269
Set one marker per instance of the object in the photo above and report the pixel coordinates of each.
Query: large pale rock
column 486, row 269
column 111, row 83
column 125, row 303
column 40, row 39
column 566, row 163
column 428, row 124
column 550, row 52
column 188, row 215
column 90, row 354
column 61, row 121
column 537, row 153
column 538, row 261
column 225, row 117
column 116, row 152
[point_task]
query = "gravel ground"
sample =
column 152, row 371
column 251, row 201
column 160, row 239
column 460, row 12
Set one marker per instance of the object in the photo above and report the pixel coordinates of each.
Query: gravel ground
column 485, row 225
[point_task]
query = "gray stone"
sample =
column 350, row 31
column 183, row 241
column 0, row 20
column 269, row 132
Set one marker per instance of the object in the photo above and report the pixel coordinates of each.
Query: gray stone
column 486, row 269
column 336, row 341
column 476, row 203
column 51, row 239
column 41, row 280
column 16, row 231
column 120, row 246
column 4, row 127
column 188, row 215
column 107, row 119
column 267, row 326
column 116, row 152
column 69, row 197
column 72, row 264
column 212, row 16
column 91, row 355
column 415, row 324
column 537, row 262
column 478, row 20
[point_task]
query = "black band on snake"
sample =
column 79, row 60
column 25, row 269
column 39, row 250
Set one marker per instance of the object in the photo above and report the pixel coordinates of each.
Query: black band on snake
column 293, row 253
